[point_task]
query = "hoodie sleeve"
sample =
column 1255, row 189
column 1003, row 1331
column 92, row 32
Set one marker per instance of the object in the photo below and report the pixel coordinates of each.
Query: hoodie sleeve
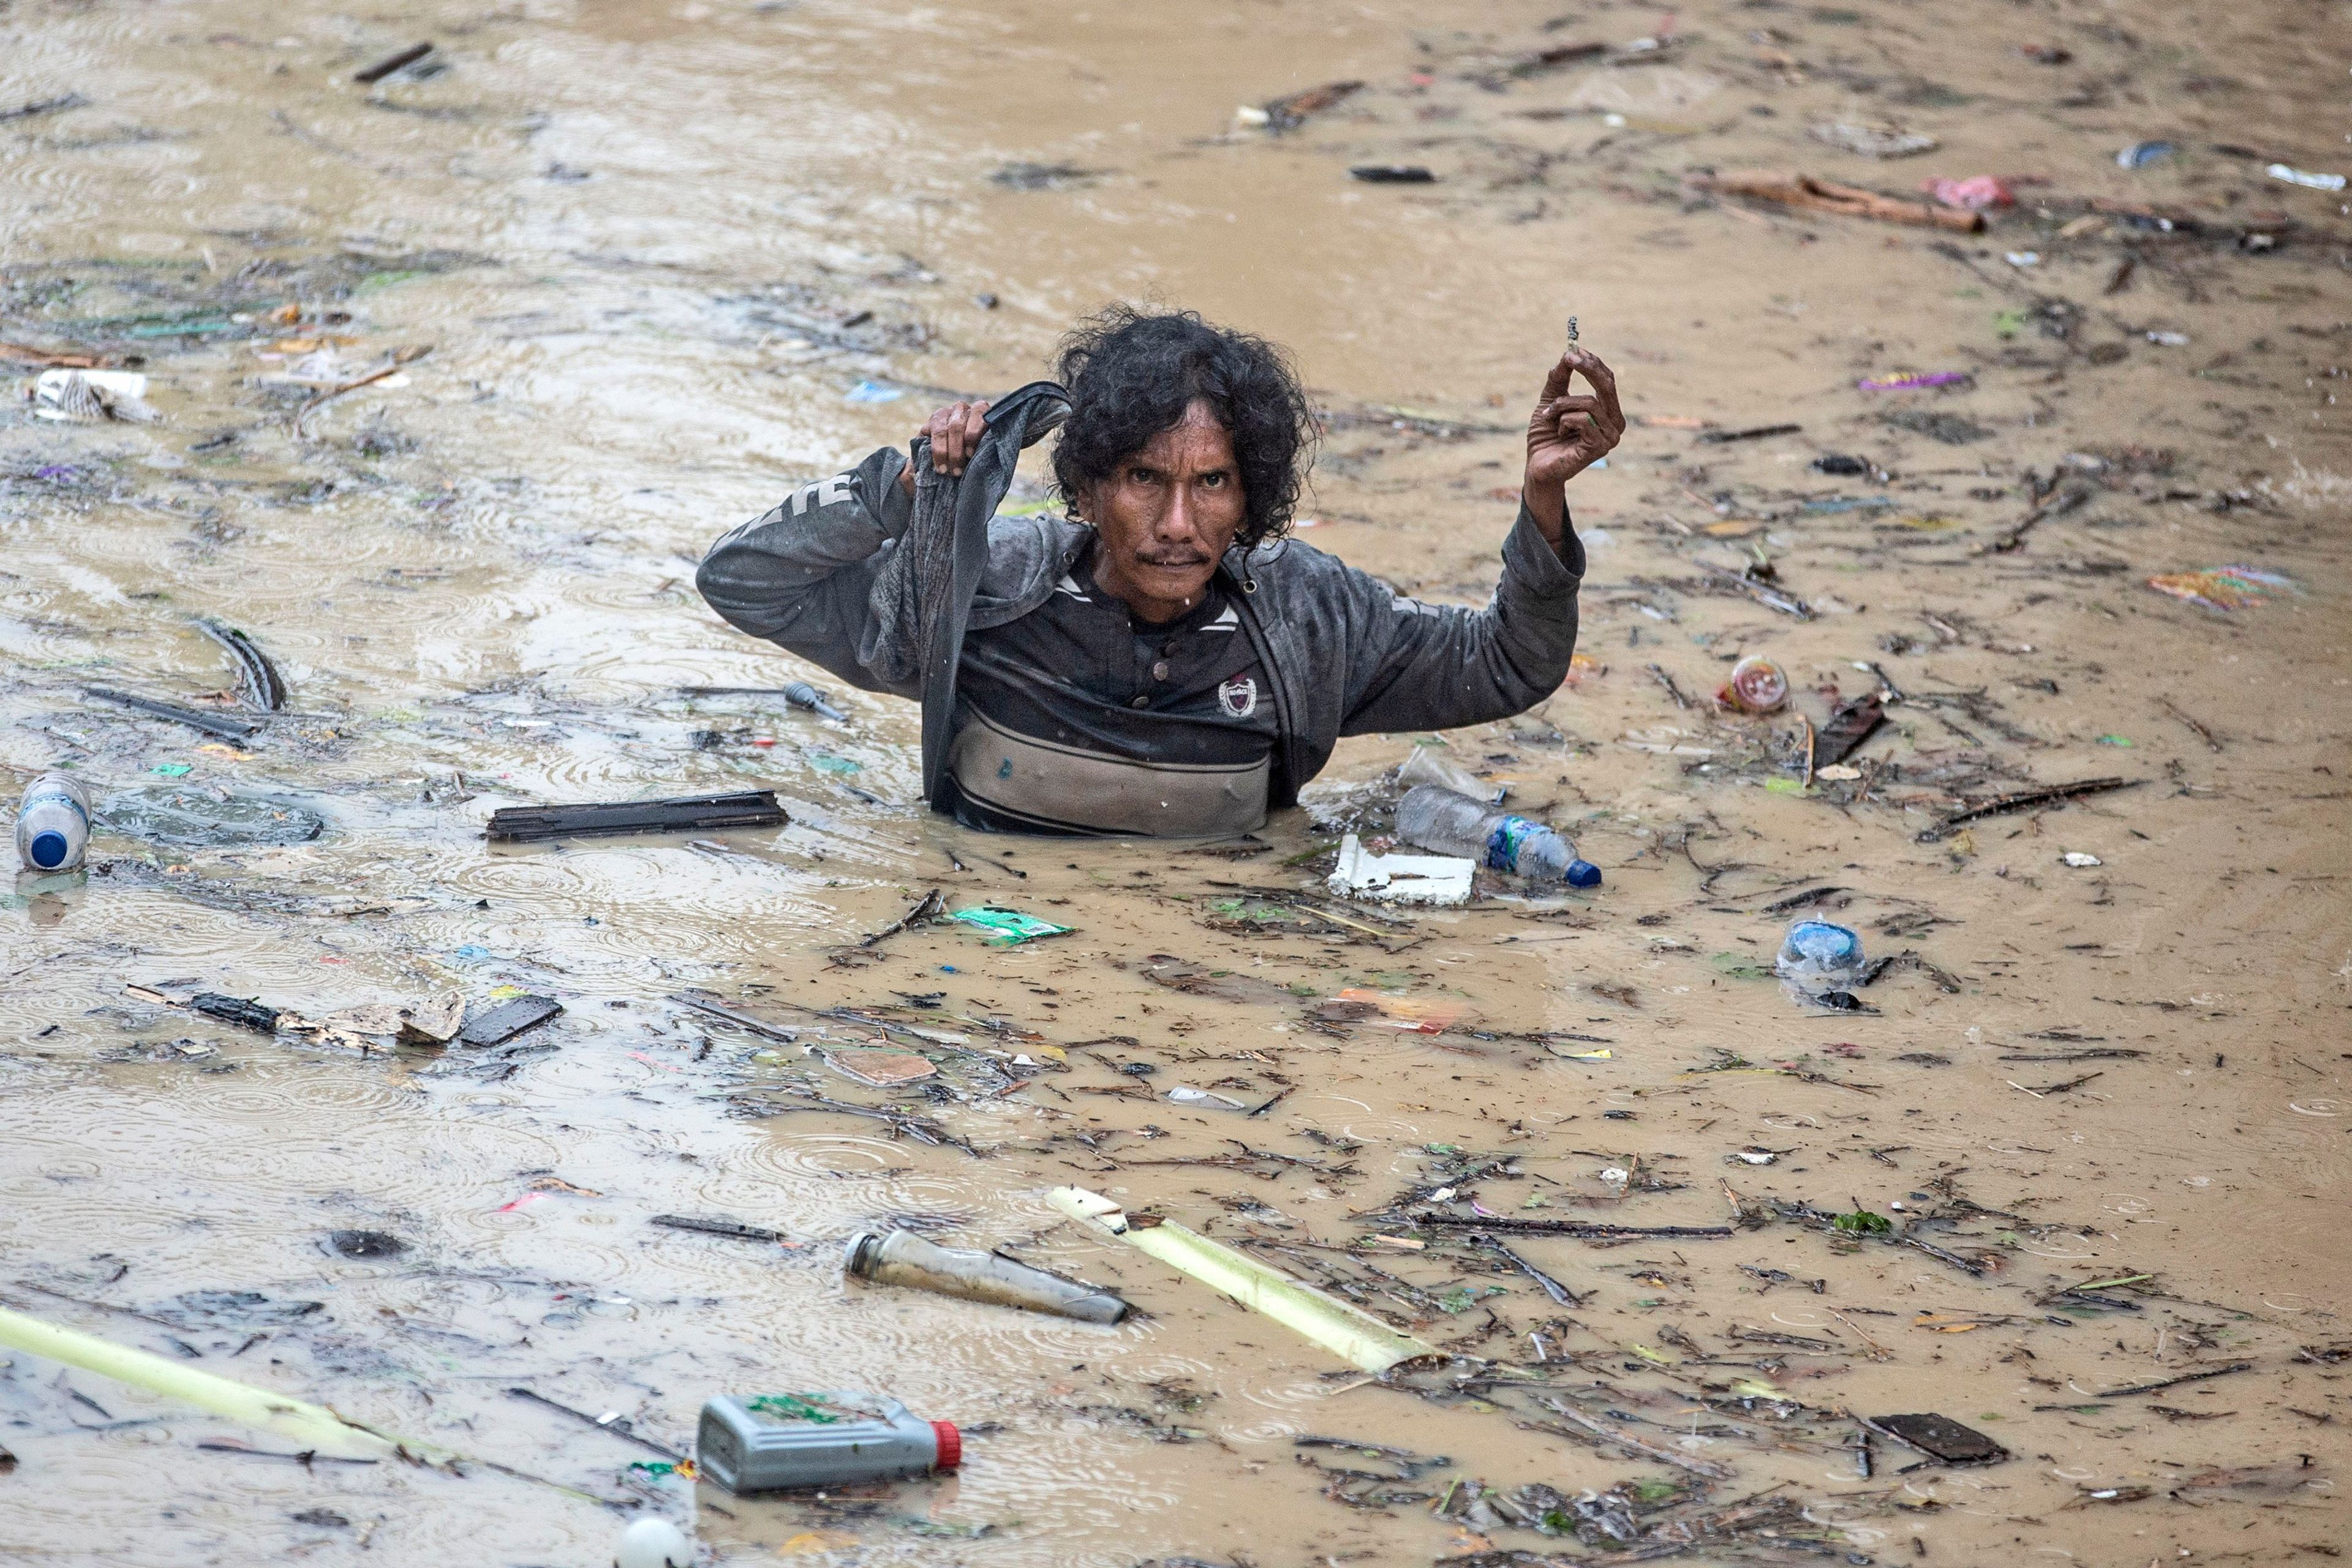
column 1413, row 666
column 801, row 575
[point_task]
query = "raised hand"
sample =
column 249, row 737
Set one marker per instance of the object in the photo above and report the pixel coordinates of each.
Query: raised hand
column 955, row 432
column 1567, row 435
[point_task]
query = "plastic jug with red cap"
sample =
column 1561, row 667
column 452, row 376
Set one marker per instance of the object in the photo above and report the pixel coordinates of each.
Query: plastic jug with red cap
column 769, row 1442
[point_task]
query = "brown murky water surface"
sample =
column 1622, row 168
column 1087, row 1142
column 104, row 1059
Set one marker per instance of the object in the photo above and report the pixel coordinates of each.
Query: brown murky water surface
column 670, row 259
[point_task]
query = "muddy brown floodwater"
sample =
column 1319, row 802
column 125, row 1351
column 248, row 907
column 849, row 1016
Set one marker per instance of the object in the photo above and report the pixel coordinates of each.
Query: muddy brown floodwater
column 669, row 259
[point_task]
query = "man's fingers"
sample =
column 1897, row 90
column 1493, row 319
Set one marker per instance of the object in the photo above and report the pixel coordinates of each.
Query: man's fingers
column 947, row 438
column 1556, row 383
column 1603, row 379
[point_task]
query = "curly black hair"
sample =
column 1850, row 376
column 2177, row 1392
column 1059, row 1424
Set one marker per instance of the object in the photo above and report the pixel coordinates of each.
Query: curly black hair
column 1133, row 373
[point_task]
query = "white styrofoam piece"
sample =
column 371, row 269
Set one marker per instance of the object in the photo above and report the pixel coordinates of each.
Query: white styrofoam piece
column 118, row 383
column 1401, row 879
column 86, row 396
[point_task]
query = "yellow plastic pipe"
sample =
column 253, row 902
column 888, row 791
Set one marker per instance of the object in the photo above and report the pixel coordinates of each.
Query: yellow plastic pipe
column 1349, row 1333
column 313, row 1426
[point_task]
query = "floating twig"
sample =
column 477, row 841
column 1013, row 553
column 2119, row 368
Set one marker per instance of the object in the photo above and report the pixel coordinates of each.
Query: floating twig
column 1805, row 192
column 2210, row 738
column 1564, row 1226
column 930, row 907
column 733, row 1229
column 2054, row 794
column 2234, row 1366
column 1551, row 1287
column 704, row 1001
column 391, row 63
column 1625, row 1439
column 616, row 1424
column 2049, row 506
column 401, row 358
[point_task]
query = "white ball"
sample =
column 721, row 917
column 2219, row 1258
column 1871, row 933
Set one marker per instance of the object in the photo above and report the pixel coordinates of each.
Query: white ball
column 654, row 1543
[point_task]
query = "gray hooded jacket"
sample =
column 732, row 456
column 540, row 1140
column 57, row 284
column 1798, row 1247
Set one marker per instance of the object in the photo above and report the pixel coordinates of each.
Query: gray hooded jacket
column 1345, row 654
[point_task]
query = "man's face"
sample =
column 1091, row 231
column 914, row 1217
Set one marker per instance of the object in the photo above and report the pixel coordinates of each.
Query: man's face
column 1167, row 515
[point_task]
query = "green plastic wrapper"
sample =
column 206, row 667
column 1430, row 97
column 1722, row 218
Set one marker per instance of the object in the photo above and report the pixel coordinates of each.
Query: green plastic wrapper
column 1010, row 926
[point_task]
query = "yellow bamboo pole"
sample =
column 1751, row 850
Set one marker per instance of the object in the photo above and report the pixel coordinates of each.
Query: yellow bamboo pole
column 1347, row 1332
column 313, row 1426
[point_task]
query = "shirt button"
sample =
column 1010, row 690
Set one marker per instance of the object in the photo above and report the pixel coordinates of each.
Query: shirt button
column 1140, row 702
column 1159, row 670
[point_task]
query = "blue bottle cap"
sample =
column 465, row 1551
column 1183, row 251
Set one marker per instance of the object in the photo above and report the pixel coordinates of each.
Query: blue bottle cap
column 1584, row 874
column 47, row 850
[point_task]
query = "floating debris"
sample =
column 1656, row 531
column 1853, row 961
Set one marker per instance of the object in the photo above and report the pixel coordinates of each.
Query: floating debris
column 2222, row 587
column 391, row 63
column 194, row 818
column 1917, row 381
column 262, row 685
column 1439, row 879
column 1010, row 926
column 1873, row 142
column 498, row 1024
column 210, row 723
column 680, row 814
column 1939, row 1438
column 94, row 396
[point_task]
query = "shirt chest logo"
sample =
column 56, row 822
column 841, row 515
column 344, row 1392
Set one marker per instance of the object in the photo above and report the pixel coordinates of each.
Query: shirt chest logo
column 1238, row 697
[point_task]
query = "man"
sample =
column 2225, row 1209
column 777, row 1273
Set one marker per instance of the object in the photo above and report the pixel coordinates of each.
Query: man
column 1164, row 662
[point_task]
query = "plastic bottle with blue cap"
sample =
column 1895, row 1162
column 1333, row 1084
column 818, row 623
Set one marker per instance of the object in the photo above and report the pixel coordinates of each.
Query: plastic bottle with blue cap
column 53, row 823
column 1453, row 823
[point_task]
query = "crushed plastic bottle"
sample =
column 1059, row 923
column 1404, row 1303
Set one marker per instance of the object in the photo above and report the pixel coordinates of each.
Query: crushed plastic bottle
column 1426, row 766
column 1455, row 824
column 1757, row 685
column 773, row 1441
column 53, row 823
column 1820, row 961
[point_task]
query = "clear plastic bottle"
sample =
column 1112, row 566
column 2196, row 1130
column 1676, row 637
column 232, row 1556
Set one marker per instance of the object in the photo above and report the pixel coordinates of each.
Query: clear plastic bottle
column 1453, row 823
column 1818, row 958
column 902, row 1258
column 773, row 1441
column 53, row 823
